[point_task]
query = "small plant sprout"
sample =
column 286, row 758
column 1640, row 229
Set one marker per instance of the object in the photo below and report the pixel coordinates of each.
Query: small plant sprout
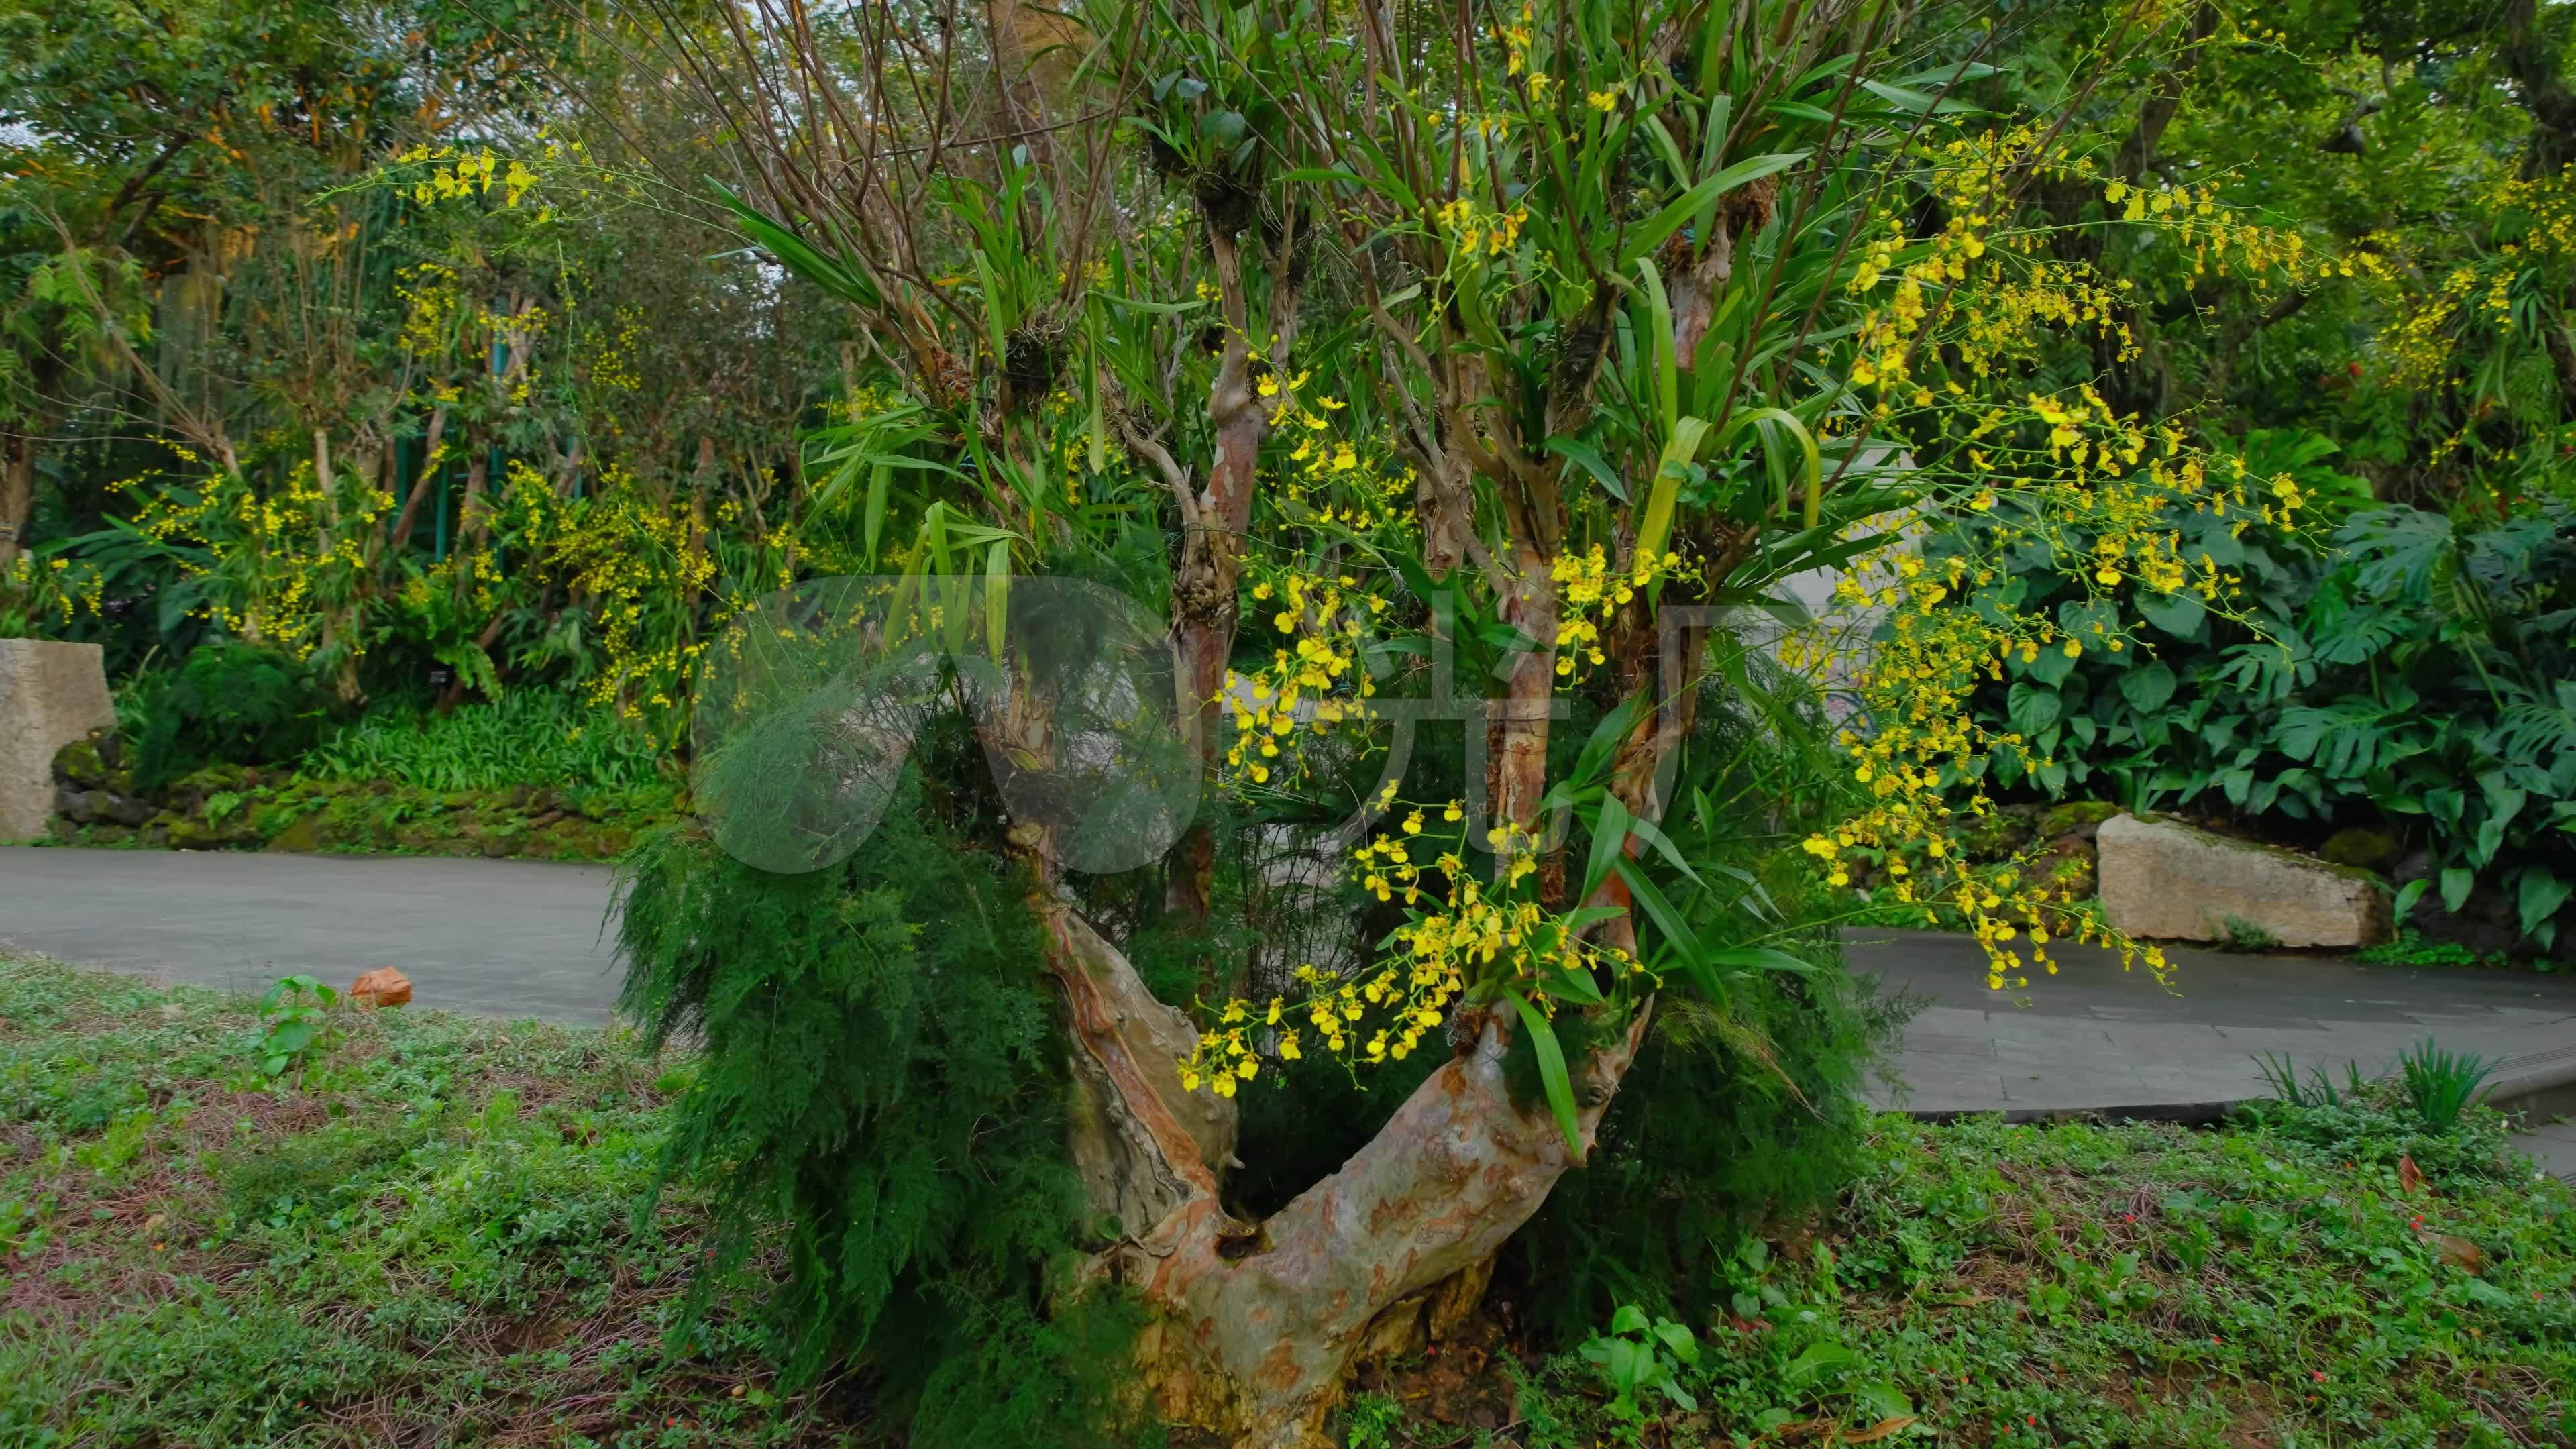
column 1632, row 1359
column 295, row 1025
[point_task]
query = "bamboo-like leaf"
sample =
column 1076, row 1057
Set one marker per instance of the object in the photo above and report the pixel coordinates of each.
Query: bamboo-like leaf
column 1576, row 450
column 1650, row 235
column 997, row 325
column 1650, row 897
column 1659, row 324
column 1815, row 471
column 1609, row 839
column 880, row 482
column 997, row 597
column 795, row 254
column 1552, row 1075
column 1679, row 450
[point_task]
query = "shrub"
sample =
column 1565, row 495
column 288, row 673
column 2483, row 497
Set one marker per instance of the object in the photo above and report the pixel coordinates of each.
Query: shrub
column 2409, row 674
column 879, row 1082
column 229, row 702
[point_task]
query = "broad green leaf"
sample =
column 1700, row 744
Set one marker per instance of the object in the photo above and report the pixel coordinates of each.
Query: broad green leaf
column 2457, row 882
column 2147, row 689
column 2539, row 897
column 2179, row 613
column 2032, row 707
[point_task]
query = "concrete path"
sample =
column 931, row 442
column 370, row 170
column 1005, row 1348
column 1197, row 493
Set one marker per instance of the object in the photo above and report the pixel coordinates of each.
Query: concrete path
column 496, row 938
column 514, row 938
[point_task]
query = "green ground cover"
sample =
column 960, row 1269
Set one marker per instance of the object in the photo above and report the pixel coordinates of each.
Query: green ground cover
column 422, row 1232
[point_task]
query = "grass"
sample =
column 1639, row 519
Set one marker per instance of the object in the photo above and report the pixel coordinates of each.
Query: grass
column 2271, row 1283
column 432, row 1242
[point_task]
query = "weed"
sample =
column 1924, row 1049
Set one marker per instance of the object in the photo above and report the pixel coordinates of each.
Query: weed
column 2409, row 948
column 1637, row 1357
column 1370, row 1422
column 294, row 1025
column 2245, row 935
column 2282, row 1076
column 2440, row 1084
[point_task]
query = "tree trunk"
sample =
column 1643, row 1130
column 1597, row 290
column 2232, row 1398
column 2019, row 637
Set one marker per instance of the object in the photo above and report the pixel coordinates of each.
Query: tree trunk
column 1516, row 774
column 17, row 493
column 1259, row 1323
column 2543, row 88
column 420, row 487
column 1205, row 610
column 473, row 519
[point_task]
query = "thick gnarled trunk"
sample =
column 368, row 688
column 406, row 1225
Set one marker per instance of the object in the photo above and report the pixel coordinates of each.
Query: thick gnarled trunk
column 1259, row 1323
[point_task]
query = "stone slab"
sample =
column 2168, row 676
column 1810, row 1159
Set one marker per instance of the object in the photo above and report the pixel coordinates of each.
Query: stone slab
column 51, row 694
column 2163, row 880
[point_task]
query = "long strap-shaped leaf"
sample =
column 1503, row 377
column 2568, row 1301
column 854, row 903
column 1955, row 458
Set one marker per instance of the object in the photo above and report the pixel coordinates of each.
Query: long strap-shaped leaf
column 1551, row 1069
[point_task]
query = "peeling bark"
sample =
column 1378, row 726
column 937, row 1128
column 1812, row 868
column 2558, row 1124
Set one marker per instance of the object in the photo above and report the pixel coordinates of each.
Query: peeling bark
column 1261, row 1321
column 1205, row 609
column 1144, row 1146
column 1516, row 772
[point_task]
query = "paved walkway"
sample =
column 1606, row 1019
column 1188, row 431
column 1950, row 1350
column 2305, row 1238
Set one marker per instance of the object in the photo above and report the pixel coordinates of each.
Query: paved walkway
column 513, row 938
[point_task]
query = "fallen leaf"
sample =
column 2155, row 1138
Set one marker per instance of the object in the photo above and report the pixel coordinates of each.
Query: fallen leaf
column 1881, row 1429
column 2460, row 1253
column 2409, row 1176
column 154, row 1221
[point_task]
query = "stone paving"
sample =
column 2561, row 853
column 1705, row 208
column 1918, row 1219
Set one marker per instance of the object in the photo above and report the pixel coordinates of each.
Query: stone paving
column 513, row 938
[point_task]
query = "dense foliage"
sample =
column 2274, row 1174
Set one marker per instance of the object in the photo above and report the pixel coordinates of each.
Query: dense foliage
column 2391, row 686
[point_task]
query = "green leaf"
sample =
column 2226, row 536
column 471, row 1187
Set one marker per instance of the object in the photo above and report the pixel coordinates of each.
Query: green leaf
column 2147, row 689
column 997, row 597
column 1815, row 472
column 1551, row 1070
column 2457, row 882
column 880, row 481
column 2052, row 666
column 2032, row 707
column 1659, row 329
column 1676, row 930
column 2539, row 897
column 1609, row 840
column 2179, row 613
column 1679, row 449
column 1664, row 223
column 1760, row 958
column 1578, row 451
column 2408, row 895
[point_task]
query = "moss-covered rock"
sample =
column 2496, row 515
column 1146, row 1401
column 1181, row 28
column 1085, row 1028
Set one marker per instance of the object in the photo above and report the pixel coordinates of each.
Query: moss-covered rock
column 2358, row 845
column 237, row 807
column 2073, row 817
